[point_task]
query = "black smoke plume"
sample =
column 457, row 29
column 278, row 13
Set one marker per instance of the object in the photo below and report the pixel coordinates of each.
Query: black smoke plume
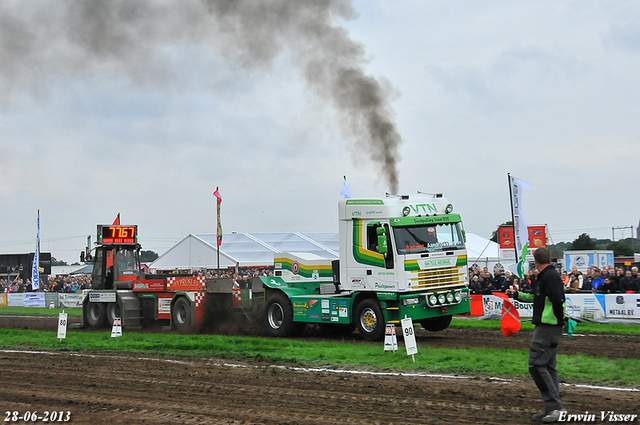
column 40, row 40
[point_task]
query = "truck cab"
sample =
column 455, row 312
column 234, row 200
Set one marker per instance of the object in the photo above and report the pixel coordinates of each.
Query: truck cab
column 400, row 256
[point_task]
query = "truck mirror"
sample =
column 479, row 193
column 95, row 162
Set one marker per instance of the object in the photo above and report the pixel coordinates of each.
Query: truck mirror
column 82, row 256
column 464, row 236
column 382, row 240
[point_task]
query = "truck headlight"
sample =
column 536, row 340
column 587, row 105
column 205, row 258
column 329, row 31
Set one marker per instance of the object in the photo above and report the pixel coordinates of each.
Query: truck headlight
column 458, row 296
column 410, row 301
column 433, row 300
column 441, row 298
column 450, row 297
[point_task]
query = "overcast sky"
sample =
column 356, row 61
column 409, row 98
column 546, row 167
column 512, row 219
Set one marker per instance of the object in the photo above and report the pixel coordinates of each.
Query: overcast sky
column 145, row 109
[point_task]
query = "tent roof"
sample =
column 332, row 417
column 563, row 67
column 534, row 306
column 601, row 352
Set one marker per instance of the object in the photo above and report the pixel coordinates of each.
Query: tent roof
column 244, row 249
column 481, row 250
column 258, row 249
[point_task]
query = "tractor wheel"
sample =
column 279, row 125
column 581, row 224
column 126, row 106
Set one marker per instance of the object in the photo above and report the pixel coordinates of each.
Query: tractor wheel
column 369, row 320
column 95, row 315
column 113, row 312
column 436, row 324
column 278, row 317
column 181, row 313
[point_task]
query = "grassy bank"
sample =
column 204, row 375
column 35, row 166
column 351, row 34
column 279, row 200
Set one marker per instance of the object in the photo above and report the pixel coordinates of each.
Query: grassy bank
column 35, row 311
column 582, row 327
column 472, row 361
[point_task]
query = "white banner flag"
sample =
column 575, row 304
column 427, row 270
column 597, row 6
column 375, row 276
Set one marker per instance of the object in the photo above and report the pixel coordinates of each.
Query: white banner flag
column 520, row 230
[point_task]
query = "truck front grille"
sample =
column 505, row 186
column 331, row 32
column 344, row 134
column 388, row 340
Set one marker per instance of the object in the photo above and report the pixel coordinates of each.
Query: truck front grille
column 436, row 279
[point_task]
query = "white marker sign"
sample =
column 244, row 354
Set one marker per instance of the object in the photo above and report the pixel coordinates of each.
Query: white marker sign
column 409, row 336
column 62, row 325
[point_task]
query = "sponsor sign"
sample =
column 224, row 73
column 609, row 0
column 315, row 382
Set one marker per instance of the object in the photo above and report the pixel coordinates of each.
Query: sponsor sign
column 493, row 305
column 622, row 306
column 582, row 260
column 102, row 297
column 437, row 262
column 537, row 238
column 164, row 306
column 29, row 299
column 70, row 300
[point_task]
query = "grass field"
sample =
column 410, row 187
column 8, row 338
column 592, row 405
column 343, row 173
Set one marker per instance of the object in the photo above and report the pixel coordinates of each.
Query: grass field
column 473, row 361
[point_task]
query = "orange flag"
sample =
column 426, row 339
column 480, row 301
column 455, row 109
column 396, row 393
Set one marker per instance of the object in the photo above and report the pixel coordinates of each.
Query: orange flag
column 510, row 323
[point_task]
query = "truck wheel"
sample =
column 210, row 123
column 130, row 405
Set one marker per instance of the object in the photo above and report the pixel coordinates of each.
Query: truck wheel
column 113, row 312
column 95, row 315
column 278, row 317
column 436, row 324
column 369, row 320
column 181, row 313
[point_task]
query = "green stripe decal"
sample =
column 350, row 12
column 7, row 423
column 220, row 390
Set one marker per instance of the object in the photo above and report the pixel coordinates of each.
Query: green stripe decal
column 360, row 254
column 305, row 270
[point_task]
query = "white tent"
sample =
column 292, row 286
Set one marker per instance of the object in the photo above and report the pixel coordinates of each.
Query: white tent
column 243, row 249
column 483, row 252
column 259, row 249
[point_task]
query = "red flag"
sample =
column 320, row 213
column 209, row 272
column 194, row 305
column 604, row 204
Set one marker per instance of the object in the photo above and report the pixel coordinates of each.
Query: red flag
column 510, row 323
column 219, row 230
column 116, row 222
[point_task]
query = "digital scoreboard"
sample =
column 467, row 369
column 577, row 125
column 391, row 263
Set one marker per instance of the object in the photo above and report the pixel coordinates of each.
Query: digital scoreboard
column 115, row 234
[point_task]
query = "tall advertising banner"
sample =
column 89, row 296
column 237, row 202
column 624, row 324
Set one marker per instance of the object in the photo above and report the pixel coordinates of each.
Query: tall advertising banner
column 35, row 276
column 520, row 231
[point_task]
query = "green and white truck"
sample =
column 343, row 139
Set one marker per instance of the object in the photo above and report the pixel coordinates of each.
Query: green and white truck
column 400, row 256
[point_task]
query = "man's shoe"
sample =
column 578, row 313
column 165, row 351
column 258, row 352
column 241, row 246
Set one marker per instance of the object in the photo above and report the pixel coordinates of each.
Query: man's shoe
column 538, row 416
column 553, row 416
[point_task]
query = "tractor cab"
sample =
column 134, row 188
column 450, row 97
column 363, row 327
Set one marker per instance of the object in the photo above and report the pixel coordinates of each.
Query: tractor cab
column 115, row 267
column 116, row 261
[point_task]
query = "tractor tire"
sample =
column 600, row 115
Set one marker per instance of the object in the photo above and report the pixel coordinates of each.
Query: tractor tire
column 181, row 313
column 95, row 315
column 278, row 317
column 436, row 324
column 113, row 312
column 369, row 320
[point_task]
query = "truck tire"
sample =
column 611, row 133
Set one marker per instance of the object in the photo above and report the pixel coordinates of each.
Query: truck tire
column 436, row 324
column 369, row 320
column 278, row 317
column 95, row 315
column 181, row 313
column 113, row 311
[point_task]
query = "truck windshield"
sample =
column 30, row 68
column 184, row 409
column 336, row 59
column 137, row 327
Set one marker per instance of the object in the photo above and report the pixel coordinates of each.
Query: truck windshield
column 428, row 238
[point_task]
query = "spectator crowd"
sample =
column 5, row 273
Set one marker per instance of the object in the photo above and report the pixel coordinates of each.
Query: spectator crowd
column 605, row 281
column 67, row 284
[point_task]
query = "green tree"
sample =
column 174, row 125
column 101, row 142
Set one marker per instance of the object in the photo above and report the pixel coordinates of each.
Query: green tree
column 56, row 262
column 148, row 256
column 583, row 241
column 621, row 249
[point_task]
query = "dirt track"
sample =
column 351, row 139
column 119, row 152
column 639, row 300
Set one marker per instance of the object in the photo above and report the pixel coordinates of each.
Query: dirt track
column 128, row 389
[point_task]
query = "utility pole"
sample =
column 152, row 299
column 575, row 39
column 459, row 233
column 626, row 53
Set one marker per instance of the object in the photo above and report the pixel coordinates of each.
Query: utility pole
column 613, row 229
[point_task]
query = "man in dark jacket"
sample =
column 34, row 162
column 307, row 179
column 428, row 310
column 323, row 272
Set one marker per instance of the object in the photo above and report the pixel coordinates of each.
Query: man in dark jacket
column 548, row 318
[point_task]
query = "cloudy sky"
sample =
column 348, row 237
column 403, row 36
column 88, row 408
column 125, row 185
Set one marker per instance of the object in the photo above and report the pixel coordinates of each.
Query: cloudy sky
column 144, row 108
